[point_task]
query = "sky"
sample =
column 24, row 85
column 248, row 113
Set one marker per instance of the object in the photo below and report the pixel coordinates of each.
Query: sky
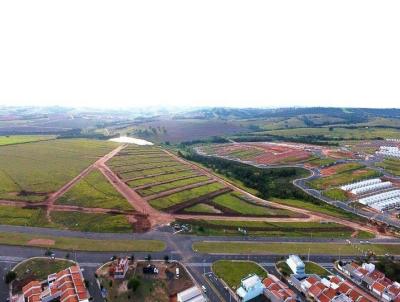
column 200, row 53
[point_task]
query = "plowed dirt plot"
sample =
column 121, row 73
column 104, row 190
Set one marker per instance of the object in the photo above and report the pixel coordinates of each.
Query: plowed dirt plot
column 261, row 153
column 31, row 171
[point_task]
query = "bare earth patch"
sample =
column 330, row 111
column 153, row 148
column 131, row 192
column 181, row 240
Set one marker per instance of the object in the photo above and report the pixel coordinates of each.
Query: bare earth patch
column 40, row 241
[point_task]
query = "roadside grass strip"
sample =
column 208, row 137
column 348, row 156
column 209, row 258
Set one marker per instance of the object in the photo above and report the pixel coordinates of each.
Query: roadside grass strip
column 94, row 191
column 270, row 229
column 232, row 272
column 81, row 244
column 171, row 185
column 99, row 223
column 177, row 198
column 284, row 248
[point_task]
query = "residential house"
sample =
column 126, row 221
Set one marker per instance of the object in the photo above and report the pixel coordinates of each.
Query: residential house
column 251, row 287
column 277, row 291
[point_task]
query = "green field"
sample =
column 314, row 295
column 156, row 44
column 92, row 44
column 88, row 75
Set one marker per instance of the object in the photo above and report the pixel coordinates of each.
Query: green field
column 337, row 133
column 234, row 202
column 22, row 139
column 40, row 268
column 319, row 162
column 201, row 208
column 82, row 244
column 171, row 185
column 30, row 171
column 152, row 171
column 391, row 165
column 346, row 177
column 270, row 229
column 94, row 191
column 99, row 223
column 232, row 272
column 336, row 194
column 292, row 248
column 160, row 178
column 176, row 198
column 27, row 217
column 311, row 268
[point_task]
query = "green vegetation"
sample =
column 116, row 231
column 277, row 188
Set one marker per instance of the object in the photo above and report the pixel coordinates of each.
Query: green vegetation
column 26, row 217
column 232, row 272
column 40, row 268
column 391, row 165
column 30, row 171
column 82, row 244
column 342, row 178
column 77, row 221
column 295, row 248
column 152, row 171
column 336, row 194
column 319, row 162
column 390, row 267
column 22, row 139
column 94, row 191
column 269, row 229
column 201, row 208
column 176, row 198
column 172, row 185
column 160, row 178
column 235, row 203
column 311, row 268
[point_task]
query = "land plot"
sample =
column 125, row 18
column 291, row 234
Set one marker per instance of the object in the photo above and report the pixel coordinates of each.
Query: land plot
column 26, row 217
column 390, row 165
column 133, row 174
column 94, row 191
column 202, row 208
column 336, row 169
column 86, row 222
column 180, row 197
column 172, row 185
column 161, row 178
column 232, row 272
column 31, row 171
column 235, row 202
column 142, row 167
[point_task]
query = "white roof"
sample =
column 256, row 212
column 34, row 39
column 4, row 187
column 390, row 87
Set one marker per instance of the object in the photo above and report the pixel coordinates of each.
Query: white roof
column 189, row 294
column 296, row 259
column 250, row 281
column 241, row 292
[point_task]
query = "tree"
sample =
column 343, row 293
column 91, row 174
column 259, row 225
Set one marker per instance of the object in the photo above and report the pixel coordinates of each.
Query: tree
column 133, row 284
column 10, row 276
column 166, row 258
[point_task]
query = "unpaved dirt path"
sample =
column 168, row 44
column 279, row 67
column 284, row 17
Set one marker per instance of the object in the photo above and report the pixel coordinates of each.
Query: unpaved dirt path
column 314, row 215
column 54, row 196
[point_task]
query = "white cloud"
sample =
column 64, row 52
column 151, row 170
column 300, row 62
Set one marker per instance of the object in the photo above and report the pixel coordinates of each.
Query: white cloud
column 210, row 52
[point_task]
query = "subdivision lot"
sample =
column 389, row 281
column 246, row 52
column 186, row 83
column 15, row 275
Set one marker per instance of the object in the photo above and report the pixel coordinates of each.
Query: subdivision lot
column 94, row 191
column 390, row 165
column 232, row 272
column 161, row 178
column 295, row 248
column 31, row 171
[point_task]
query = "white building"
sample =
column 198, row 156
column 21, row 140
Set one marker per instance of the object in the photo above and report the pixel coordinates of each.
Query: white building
column 296, row 265
column 192, row 294
column 251, row 287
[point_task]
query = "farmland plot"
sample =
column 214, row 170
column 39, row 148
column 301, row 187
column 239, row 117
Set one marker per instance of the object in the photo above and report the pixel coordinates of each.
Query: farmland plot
column 32, row 170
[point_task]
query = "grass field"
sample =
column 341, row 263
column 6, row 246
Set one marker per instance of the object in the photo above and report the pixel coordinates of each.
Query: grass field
column 343, row 178
column 86, row 222
column 30, row 171
column 202, row 208
column 81, row 244
column 232, row 272
column 391, row 165
column 160, row 178
column 176, row 198
column 337, row 133
column 319, row 162
column 270, row 229
column 310, row 268
column 94, row 191
column 172, row 185
column 22, row 139
column 40, row 268
column 234, row 202
column 18, row 216
column 336, row 194
column 292, row 248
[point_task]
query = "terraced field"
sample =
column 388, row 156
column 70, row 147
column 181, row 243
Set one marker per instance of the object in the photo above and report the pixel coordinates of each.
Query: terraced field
column 176, row 187
column 31, row 171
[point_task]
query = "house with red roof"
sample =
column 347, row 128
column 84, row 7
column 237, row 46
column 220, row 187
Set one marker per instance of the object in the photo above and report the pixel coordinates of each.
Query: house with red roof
column 277, row 291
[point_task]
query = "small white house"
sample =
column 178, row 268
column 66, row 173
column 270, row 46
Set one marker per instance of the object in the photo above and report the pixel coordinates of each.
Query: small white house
column 251, row 287
column 296, row 265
